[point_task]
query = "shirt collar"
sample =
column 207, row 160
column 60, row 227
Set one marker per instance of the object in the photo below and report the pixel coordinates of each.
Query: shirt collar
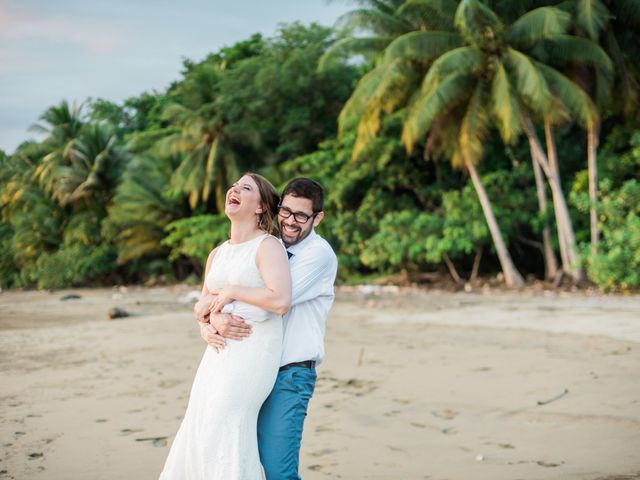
column 295, row 249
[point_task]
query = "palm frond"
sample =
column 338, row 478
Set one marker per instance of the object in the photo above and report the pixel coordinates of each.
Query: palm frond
column 504, row 105
column 350, row 46
column 370, row 20
column 211, row 167
column 626, row 84
column 576, row 100
column 468, row 59
column 175, row 113
column 567, row 49
column 451, row 90
column 473, row 129
column 352, row 110
column 530, row 84
column 477, row 22
column 538, row 24
column 396, row 84
column 591, row 16
column 429, row 14
column 421, row 46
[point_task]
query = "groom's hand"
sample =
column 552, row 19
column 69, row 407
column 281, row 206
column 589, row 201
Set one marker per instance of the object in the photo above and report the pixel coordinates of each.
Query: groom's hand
column 230, row 326
column 210, row 336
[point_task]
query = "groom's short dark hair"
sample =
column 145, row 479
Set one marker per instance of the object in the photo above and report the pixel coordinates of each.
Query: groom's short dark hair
column 306, row 188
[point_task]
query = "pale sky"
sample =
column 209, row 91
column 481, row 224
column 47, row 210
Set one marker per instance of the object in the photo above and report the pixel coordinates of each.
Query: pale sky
column 52, row 50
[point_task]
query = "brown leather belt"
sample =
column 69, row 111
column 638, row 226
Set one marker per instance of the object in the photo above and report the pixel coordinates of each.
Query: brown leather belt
column 305, row 364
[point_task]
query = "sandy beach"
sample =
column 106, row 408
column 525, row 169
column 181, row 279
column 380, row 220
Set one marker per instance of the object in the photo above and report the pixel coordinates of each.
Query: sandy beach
column 416, row 385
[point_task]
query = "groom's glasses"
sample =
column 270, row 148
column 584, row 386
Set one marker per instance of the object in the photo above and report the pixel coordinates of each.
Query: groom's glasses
column 299, row 217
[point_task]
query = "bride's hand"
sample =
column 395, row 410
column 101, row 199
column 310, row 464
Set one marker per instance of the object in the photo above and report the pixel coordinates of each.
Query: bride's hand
column 209, row 335
column 223, row 297
column 203, row 306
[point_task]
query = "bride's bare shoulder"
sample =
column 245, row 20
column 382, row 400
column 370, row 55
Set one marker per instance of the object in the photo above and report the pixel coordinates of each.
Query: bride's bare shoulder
column 270, row 244
column 212, row 255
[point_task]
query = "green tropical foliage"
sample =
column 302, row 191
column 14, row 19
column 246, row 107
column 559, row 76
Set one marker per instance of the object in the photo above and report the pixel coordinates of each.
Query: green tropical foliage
column 422, row 119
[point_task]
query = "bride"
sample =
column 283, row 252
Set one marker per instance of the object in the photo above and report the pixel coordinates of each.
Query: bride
column 217, row 438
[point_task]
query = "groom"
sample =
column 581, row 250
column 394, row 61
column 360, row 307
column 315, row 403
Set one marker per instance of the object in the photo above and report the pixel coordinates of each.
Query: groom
column 313, row 267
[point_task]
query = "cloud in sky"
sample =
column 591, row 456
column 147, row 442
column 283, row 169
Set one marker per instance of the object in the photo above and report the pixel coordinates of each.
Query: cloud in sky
column 20, row 28
column 74, row 49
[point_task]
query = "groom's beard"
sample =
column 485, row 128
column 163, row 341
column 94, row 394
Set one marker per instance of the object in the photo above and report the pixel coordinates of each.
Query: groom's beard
column 297, row 233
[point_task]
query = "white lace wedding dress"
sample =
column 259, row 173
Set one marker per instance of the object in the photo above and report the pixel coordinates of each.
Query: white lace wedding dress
column 217, row 439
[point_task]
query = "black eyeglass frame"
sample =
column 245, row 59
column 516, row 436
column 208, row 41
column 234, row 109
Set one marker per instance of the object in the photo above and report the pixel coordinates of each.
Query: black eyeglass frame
column 286, row 212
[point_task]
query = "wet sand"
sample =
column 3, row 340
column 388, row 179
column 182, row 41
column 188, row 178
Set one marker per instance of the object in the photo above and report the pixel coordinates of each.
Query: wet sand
column 416, row 385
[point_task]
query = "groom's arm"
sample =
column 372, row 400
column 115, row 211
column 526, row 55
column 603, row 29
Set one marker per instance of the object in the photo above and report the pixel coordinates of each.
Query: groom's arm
column 230, row 326
column 273, row 267
column 310, row 273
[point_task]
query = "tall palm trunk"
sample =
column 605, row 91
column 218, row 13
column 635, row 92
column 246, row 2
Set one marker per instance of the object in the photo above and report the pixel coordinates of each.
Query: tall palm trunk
column 552, row 156
column 593, row 139
column 550, row 263
column 511, row 275
column 534, row 146
column 565, row 229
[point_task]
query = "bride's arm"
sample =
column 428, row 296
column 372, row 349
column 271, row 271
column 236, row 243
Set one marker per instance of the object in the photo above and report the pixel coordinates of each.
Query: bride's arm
column 271, row 260
column 202, row 307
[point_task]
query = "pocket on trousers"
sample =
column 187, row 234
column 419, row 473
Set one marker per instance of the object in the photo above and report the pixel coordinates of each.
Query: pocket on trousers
column 287, row 381
column 304, row 381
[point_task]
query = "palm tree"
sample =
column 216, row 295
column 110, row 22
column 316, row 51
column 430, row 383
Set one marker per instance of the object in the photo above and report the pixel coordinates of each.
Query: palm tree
column 381, row 22
column 62, row 124
column 95, row 163
column 389, row 84
column 143, row 206
column 606, row 23
column 36, row 220
column 484, row 74
column 558, row 100
column 209, row 162
column 453, row 92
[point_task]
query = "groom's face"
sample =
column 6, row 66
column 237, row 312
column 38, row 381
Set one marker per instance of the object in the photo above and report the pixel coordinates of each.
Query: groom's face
column 294, row 231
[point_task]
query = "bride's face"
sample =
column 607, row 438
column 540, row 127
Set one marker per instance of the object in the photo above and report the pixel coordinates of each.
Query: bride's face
column 243, row 199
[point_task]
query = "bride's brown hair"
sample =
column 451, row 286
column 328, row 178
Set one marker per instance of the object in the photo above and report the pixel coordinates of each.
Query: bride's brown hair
column 270, row 199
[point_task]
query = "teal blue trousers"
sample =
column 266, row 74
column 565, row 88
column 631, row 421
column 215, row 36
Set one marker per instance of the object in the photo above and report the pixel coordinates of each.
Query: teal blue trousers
column 281, row 420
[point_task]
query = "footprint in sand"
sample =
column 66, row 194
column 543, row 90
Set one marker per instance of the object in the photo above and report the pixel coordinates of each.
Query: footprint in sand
column 446, row 414
column 320, row 453
column 169, row 383
column 323, row 428
column 547, row 463
column 506, row 446
column 392, row 413
column 155, row 441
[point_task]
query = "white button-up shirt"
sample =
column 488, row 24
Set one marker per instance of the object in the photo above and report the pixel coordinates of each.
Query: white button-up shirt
column 313, row 267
